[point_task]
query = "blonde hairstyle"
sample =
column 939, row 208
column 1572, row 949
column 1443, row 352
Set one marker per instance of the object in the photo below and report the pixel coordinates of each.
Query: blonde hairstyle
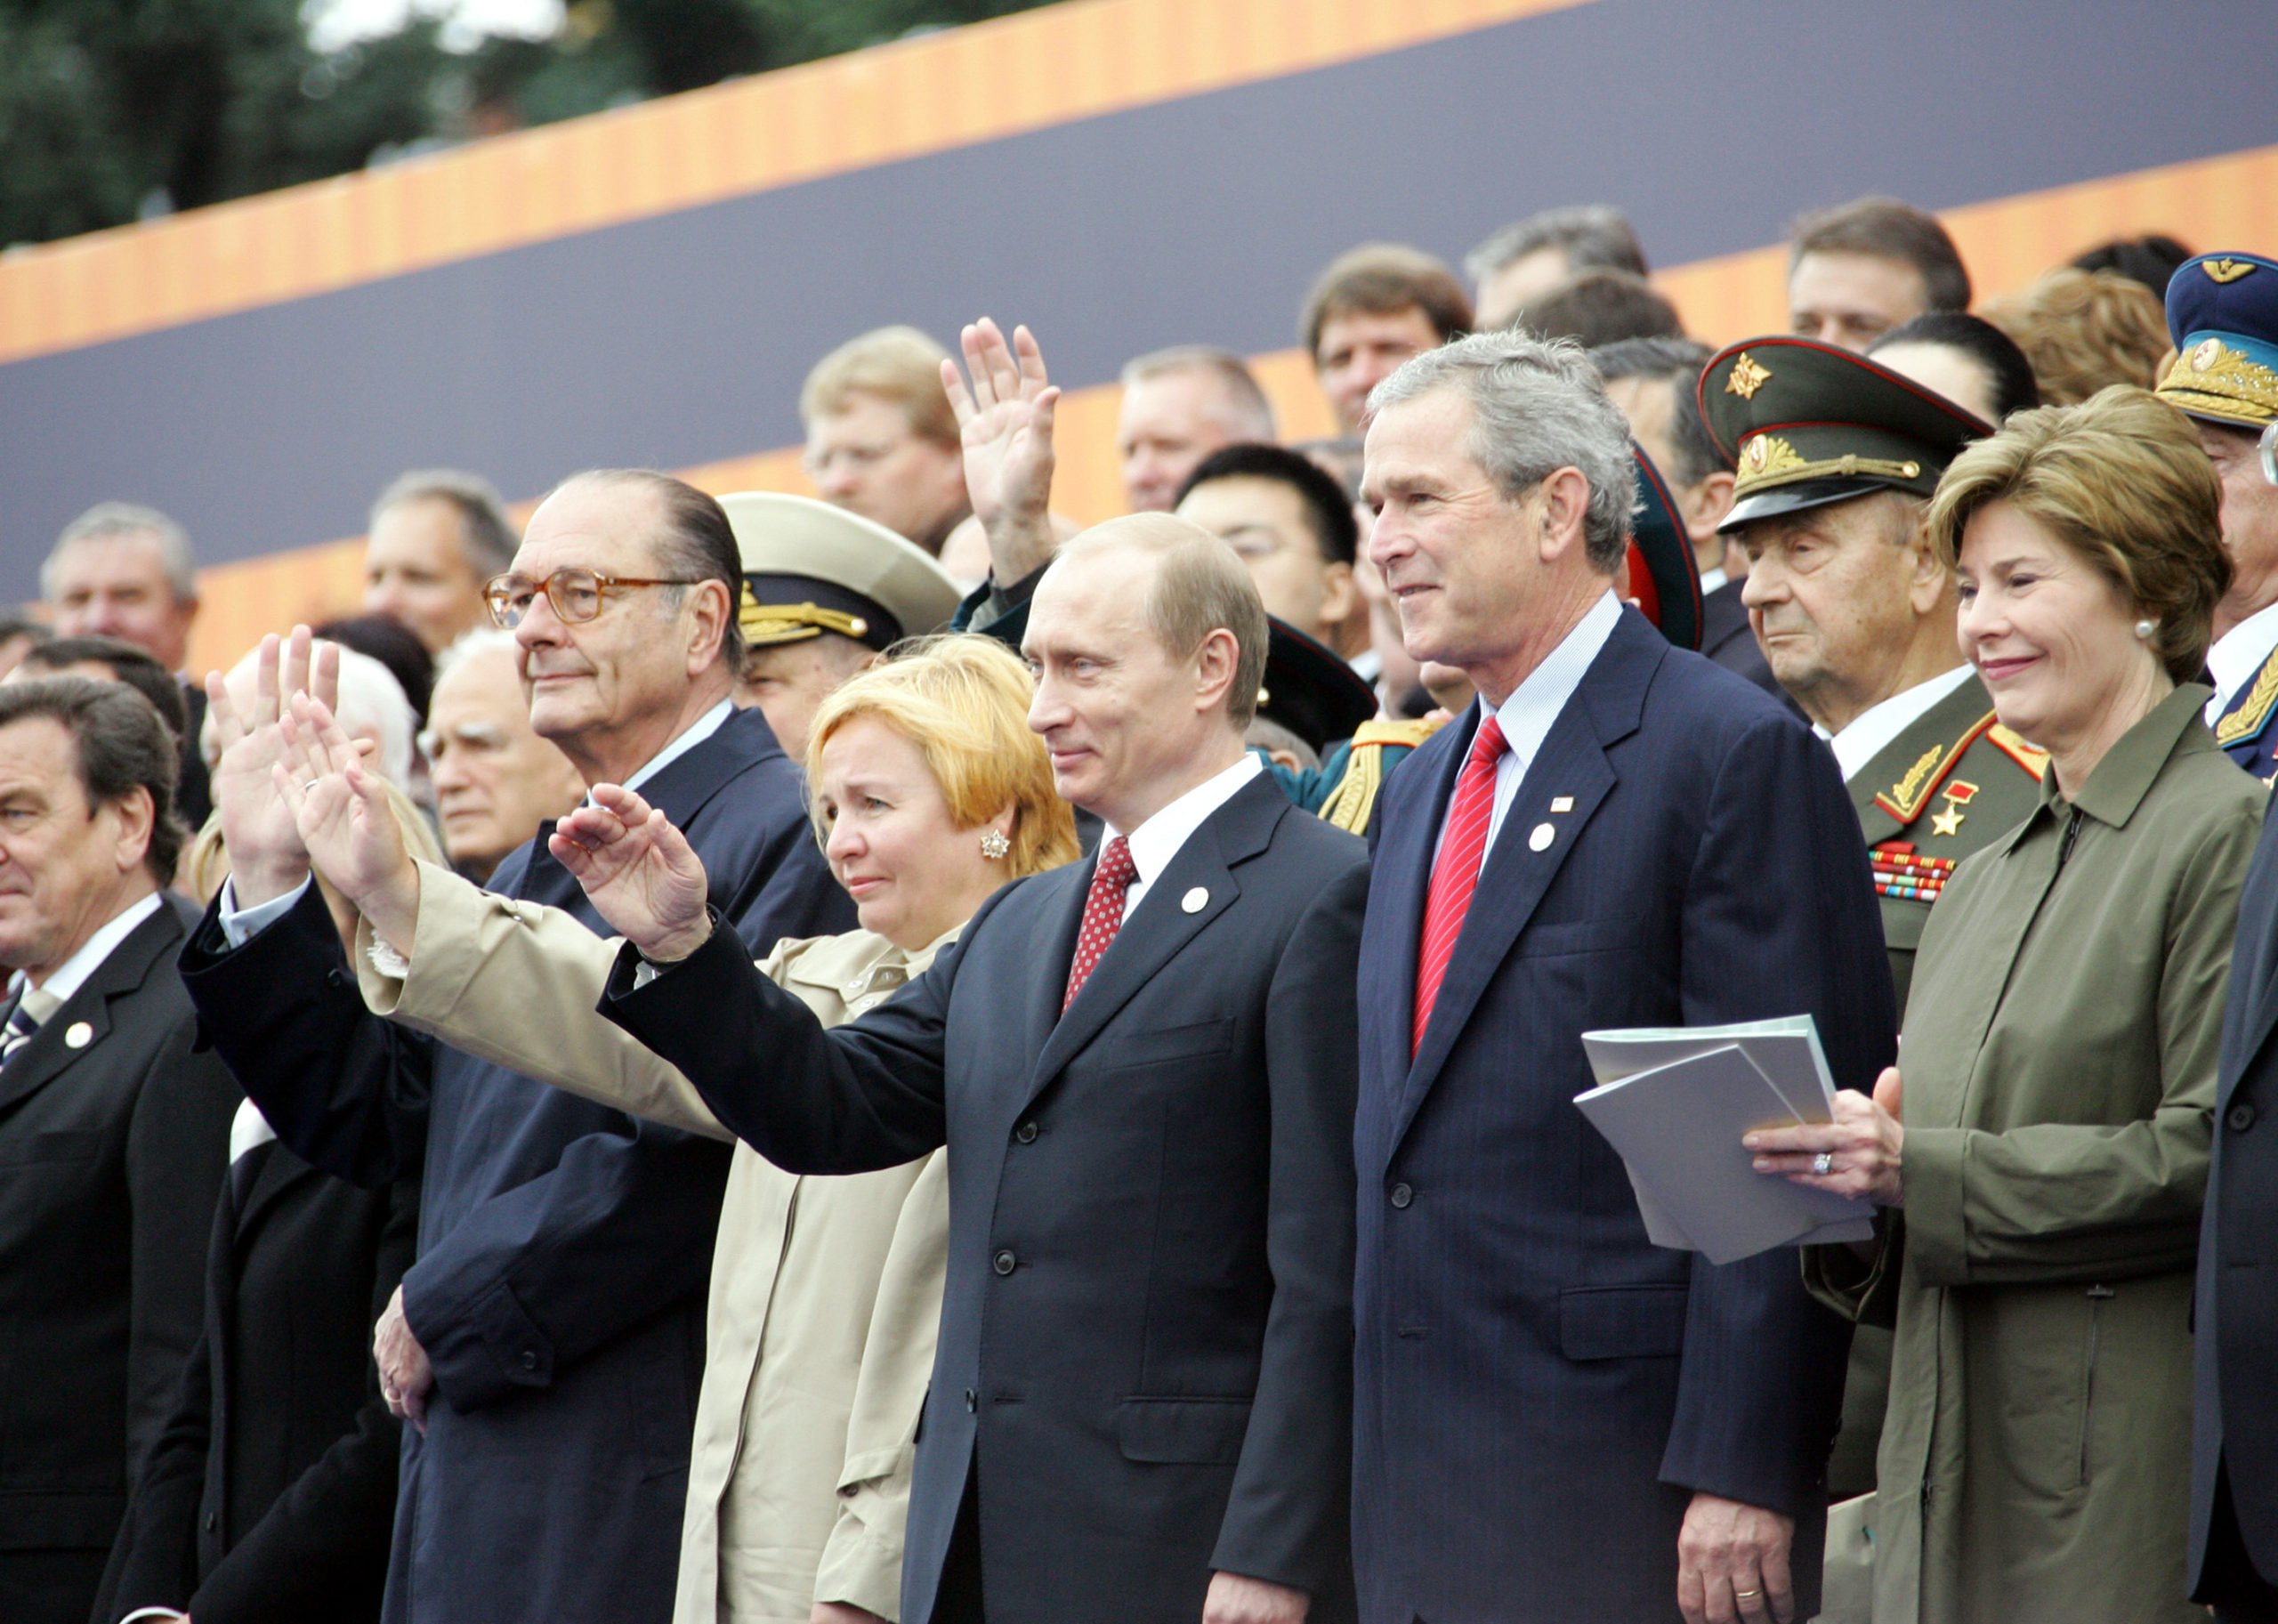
column 206, row 861
column 1201, row 586
column 963, row 699
column 2121, row 479
column 2084, row 330
column 899, row 364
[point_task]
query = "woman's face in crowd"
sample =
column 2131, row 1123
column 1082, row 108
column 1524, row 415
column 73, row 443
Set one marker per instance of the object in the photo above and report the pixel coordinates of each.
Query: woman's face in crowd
column 911, row 871
column 2049, row 632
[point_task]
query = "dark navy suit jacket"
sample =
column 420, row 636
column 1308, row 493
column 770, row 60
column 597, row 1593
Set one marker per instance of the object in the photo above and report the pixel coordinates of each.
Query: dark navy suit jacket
column 563, row 1247
column 1539, row 1390
column 2235, row 1405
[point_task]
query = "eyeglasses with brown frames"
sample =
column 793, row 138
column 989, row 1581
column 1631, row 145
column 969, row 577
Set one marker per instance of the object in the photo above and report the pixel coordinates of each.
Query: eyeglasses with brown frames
column 575, row 595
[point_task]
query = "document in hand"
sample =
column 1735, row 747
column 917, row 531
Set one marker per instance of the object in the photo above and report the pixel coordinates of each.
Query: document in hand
column 1674, row 1102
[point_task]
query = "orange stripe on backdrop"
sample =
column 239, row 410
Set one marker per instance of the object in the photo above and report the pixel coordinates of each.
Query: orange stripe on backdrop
column 2223, row 202
column 974, row 84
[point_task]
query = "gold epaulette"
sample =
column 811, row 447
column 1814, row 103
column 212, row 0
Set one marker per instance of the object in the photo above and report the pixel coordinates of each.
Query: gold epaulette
column 1905, row 799
column 2247, row 720
column 1354, row 799
column 2012, row 744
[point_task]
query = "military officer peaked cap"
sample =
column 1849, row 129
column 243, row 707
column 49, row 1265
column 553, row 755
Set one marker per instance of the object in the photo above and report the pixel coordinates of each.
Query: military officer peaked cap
column 1310, row 691
column 1663, row 576
column 1807, row 423
column 2223, row 315
column 810, row 567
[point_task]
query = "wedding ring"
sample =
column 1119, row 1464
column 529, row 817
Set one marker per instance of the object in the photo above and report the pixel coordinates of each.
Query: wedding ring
column 1746, row 1596
column 1822, row 1164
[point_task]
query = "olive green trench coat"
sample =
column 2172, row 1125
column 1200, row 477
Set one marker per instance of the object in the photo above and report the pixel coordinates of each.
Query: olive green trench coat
column 2059, row 1062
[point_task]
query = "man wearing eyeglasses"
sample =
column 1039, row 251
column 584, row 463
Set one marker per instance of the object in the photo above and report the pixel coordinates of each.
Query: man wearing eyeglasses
column 547, row 1344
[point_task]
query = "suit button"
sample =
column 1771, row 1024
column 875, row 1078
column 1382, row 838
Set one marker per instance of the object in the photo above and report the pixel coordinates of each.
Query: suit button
column 1025, row 1133
column 530, row 1360
column 335, row 977
column 1401, row 1195
column 1007, row 1262
column 2240, row 1117
column 970, row 1403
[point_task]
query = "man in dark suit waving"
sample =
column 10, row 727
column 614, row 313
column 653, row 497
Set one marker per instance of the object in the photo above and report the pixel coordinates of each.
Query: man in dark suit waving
column 1143, row 1068
column 1556, row 1419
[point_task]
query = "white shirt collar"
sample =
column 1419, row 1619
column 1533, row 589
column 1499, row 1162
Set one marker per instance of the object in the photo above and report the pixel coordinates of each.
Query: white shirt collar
column 1155, row 842
column 694, row 734
column 2238, row 654
column 1711, row 579
column 1871, row 731
column 74, row 971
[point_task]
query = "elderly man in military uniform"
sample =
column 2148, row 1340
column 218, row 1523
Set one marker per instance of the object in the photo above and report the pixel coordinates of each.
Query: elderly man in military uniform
column 2223, row 314
column 1837, row 456
column 826, row 591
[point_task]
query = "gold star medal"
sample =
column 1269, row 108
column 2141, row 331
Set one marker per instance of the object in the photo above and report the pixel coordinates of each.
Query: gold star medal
column 1957, row 794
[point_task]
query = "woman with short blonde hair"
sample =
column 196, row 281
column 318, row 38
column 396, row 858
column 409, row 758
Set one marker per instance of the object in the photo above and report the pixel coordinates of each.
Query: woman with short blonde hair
column 2042, row 1165
column 929, row 793
column 2084, row 331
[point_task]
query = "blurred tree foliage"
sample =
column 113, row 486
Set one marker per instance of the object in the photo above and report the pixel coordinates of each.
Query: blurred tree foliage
column 112, row 109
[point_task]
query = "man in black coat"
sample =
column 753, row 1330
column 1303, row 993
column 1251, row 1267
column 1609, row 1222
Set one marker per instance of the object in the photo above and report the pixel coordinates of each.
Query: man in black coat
column 548, row 1341
column 1139, row 1405
column 113, row 1133
column 270, row 1495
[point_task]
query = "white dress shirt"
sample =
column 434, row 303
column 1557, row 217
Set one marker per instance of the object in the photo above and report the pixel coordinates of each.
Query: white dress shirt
column 1534, row 706
column 240, row 925
column 1871, row 731
column 1158, row 840
column 2237, row 654
column 1711, row 579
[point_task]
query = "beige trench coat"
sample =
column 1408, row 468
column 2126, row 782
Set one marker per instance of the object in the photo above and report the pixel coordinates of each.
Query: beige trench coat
column 826, row 1292
column 2059, row 1061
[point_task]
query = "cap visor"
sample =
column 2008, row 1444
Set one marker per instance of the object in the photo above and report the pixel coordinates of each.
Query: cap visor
column 1795, row 497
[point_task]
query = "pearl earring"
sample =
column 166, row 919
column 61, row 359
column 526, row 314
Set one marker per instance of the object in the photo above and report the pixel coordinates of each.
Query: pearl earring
column 994, row 846
column 2144, row 628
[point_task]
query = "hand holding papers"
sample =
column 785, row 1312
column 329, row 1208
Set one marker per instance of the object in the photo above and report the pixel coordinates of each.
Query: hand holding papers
column 1676, row 1102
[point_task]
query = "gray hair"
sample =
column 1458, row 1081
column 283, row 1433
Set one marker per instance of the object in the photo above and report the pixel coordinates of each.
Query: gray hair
column 1538, row 407
column 1679, row 361
column 466, row 645
column 107, row 519
column 486, row 533
column 1594, row 235
column 1253, row 412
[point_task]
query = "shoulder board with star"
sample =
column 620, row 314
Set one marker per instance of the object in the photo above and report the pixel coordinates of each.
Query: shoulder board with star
column 1353, row 801
column 2250, row 713
column 1905, row 799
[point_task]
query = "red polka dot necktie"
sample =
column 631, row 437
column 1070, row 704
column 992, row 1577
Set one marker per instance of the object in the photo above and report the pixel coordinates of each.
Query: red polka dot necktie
column 1454, row 875
column 1103, row 912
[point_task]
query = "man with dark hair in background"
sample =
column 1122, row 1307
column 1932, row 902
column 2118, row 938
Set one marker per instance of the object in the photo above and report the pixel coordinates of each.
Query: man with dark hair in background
column 1856, row 271
column 1179, row 406
column 1543, row 252
column 1656, row 383
column 121, row 570
column 1601, row 307
column 545, row 1342
column 436, row 535
column 109, row 659
column 1967, row 360
column 1374, row 307
column 114, row 1129
column 1290, row 523
column 19, row 634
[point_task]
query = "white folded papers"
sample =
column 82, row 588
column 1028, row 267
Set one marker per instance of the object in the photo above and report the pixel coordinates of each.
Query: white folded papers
column 1674, row 1102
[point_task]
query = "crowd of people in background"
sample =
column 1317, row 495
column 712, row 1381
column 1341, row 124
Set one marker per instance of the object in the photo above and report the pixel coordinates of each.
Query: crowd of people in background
column 784, row 1060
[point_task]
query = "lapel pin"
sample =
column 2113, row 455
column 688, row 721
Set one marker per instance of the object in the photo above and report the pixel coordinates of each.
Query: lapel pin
column 1562, row 803
column 79, row 1035
column 1539, row 841
column 1195, row 901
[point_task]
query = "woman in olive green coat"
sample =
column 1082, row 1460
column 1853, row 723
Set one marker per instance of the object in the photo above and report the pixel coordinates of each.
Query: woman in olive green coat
column 2042, row 1197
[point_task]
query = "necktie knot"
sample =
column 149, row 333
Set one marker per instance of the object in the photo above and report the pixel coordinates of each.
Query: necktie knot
column 1111, row 877
column 1488, row 744
column 1115, row 867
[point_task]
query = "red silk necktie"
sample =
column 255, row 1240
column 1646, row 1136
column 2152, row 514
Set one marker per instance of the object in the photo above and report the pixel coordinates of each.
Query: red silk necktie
column 1103, row 912
column 1454, row 875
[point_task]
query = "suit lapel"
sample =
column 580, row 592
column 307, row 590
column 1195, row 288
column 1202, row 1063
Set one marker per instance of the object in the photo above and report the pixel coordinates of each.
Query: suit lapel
column 1161, row 926
column 48, row 1054
column 1052, row 949
column 1403, row 877
column 1572, row 763
column 278, row 1172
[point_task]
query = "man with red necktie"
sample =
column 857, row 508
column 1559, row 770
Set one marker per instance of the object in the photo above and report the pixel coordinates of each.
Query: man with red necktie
column 1144, row 1069
column 1555, row 1418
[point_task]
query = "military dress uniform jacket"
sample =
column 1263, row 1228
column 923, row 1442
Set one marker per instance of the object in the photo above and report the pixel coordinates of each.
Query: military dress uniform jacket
column 2244, row 730
column 563, row 1247
column 2060, row 1076
column 826, row 1292
column 1147, row 1324
column 1952, row 783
